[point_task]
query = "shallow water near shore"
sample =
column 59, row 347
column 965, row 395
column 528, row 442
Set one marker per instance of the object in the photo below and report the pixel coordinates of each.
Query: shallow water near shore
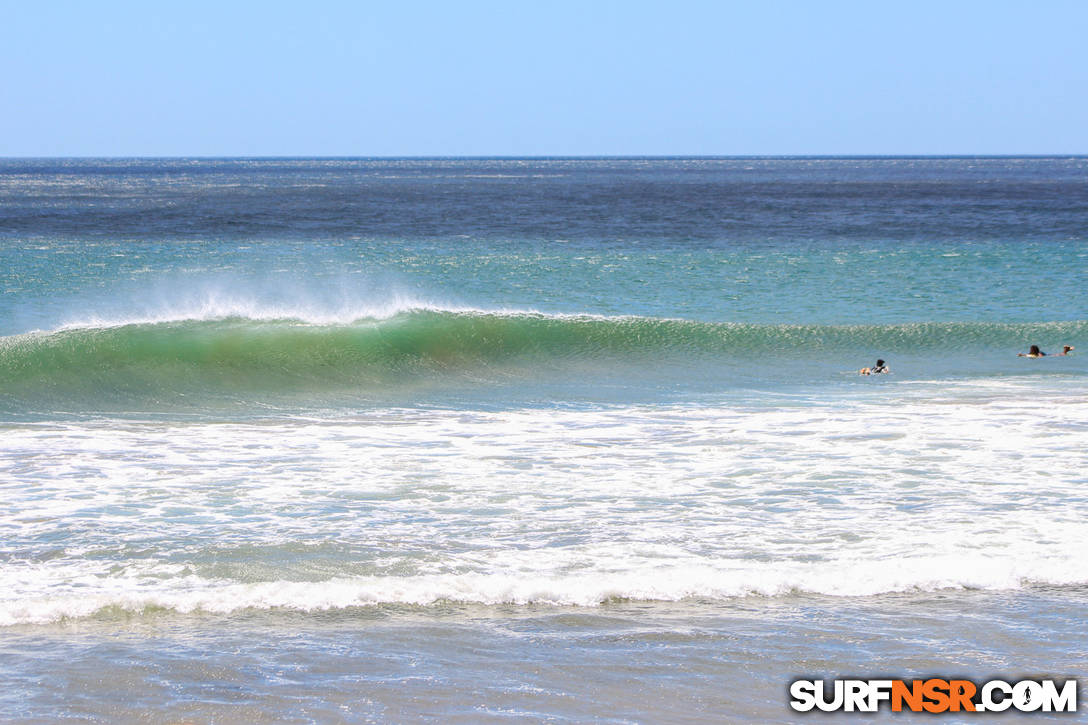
column 625, row 661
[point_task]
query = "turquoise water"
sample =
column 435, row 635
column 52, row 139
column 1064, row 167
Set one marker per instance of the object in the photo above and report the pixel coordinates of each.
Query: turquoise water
column 298, row 326
column 56, row 282
column 296, row 440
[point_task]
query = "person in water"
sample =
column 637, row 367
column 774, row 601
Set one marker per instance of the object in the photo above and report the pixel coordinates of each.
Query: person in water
column 1065, row 351
column 877, row 369
column 1033, row 351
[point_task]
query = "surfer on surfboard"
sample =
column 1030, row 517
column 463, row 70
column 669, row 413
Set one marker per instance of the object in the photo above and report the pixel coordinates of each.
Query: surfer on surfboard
column 1034, row 351
column 877, row 369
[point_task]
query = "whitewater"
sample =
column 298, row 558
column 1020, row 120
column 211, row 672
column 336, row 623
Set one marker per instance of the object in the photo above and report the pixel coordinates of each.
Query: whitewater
column 568, row 508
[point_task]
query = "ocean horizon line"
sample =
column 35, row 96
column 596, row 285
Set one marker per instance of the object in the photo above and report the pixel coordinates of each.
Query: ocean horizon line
column 539, row 157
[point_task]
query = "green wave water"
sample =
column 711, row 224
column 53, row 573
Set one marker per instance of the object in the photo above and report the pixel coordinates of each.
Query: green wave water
column 249, row 355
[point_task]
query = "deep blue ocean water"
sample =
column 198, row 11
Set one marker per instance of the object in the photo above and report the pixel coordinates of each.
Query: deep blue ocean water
column 534, row 432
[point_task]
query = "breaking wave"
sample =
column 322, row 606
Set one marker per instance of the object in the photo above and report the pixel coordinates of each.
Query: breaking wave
column 234, row 353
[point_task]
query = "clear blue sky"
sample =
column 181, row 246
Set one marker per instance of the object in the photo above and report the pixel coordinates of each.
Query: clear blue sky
column 541, row 78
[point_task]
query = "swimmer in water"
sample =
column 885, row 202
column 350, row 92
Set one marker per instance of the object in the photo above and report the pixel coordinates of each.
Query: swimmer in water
column 1065, row 351
column 877, row 369
column 1033, row 351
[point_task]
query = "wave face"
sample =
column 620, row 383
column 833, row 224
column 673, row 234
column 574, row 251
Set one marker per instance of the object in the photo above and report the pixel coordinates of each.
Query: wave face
column 243, row 354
